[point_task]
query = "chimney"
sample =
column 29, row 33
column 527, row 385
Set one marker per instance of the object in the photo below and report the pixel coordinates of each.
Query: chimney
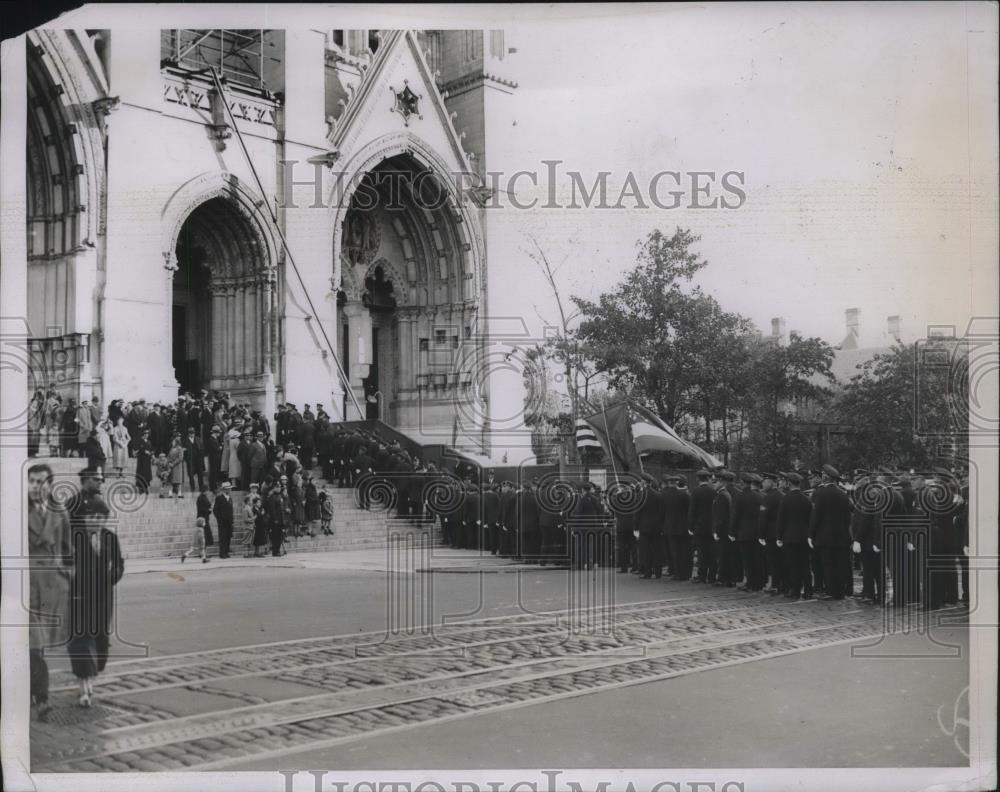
column 892, row 326
column 778, row 330
column 853, row 321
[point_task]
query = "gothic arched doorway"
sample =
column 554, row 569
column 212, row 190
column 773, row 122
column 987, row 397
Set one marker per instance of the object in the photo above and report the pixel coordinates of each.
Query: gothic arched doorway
column 408, row 258
column 223, row 296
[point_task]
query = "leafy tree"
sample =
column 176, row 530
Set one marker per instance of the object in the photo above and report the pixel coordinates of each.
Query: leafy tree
column 906, row 404
column 659, row 339
column 780, row 377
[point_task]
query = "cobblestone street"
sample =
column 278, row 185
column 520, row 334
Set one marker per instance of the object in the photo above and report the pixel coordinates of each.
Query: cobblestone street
column 531, row 644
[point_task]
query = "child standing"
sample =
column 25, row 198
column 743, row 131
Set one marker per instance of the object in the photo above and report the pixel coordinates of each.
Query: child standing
column 163, row 474
column 197, row 541
column 325, row 511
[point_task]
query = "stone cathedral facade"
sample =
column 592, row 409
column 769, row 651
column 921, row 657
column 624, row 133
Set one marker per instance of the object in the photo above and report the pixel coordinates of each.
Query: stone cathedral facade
column 319, row 209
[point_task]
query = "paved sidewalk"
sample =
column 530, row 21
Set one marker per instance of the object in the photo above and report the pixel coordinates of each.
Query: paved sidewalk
column 441, row 559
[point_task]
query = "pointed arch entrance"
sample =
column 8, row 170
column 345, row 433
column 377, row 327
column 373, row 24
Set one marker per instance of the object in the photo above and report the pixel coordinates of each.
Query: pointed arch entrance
column 408, row 258
column 222, row 302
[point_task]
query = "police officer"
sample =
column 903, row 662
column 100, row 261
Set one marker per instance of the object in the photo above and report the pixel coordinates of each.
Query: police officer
column 700, row 526
column 794, row 515
column 775, row 568
column 830, row 533
column 746, row 521
column 677, row 504
column 725, row 542
column 649, row 524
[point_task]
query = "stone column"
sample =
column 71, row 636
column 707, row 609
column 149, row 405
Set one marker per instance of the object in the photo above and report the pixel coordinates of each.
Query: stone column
column 215, row 328
column 359, row 329
column 240, row 296
column 267, row 309
column 170, row 269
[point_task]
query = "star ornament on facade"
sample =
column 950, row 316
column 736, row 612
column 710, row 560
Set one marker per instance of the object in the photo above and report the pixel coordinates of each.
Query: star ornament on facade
column 407, row 103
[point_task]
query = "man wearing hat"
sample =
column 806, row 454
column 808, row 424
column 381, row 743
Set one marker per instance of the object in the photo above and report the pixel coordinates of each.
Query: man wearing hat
column 830, row 534
column 625, row 524
column 700, row 524
column 677, row 506
column 529, row 542
column 775, row 568
column 722, row 526
column 223, row 511
column 746, row 519
column 794, row 515
column 649, row 525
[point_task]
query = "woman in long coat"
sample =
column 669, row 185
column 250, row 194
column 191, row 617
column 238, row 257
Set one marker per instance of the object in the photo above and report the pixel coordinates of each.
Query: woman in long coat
column 104, row 437
column 119, row 446
column 143, row 462
column 235, row 469
column 175, row 462
column 98, row 568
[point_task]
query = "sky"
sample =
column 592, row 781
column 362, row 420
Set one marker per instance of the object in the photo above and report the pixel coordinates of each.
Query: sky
column 866, row 133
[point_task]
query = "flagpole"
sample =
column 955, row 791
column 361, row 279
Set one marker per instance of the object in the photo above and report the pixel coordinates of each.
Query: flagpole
column 607, row 434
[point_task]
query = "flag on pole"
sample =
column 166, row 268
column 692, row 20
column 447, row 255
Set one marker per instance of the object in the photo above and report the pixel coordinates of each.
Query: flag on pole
column 627, row 431
column 614, row 432
column 653, row 434
column 585, row 437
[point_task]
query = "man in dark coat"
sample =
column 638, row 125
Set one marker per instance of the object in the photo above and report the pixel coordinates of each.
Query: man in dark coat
column 649, row 525
column 830, row 534
column 943, row 503
column 508, row 519
column 527, row 509
column 279, row 515
column 722, row 527
column 551, row 526
column 794, row 516
column 773, row 562
column 203, row 509
column 872, row 498
column 214, row 451
column 472, row 521
column 50, row 551
column 700, row 524
column 491, row 517
column 677, row 506
column 223, row 511
column 623, row 508
column 194, row 454
column 746, row 528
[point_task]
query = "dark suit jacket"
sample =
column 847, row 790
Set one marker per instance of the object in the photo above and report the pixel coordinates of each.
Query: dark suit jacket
column 677, row 504
column 649, row 519
column 700, row 510
column 794, row 514
column 223, row 511
column 830, row 525
column 772, row 502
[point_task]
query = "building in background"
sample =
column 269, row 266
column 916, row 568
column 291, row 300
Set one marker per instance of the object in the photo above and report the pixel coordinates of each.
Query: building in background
column 161, row 261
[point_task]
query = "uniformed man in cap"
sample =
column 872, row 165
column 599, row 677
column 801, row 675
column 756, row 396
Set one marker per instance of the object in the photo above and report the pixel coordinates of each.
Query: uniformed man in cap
column 722, row 526
column 527, row 508
column 794, row 516
column 830, row 534
column 746, row 528
column 872, row 497
column 649, row 525
column 700, row 526
column 623, row 509
column 774, row 565
column 676, row 506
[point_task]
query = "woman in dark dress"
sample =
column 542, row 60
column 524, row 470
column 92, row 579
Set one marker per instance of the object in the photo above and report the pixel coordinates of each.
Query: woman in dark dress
column 143, row 462
column 98, row 568
column 312, row 505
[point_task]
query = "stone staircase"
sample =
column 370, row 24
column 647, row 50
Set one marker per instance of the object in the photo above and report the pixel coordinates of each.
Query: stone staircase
column 153, row 527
